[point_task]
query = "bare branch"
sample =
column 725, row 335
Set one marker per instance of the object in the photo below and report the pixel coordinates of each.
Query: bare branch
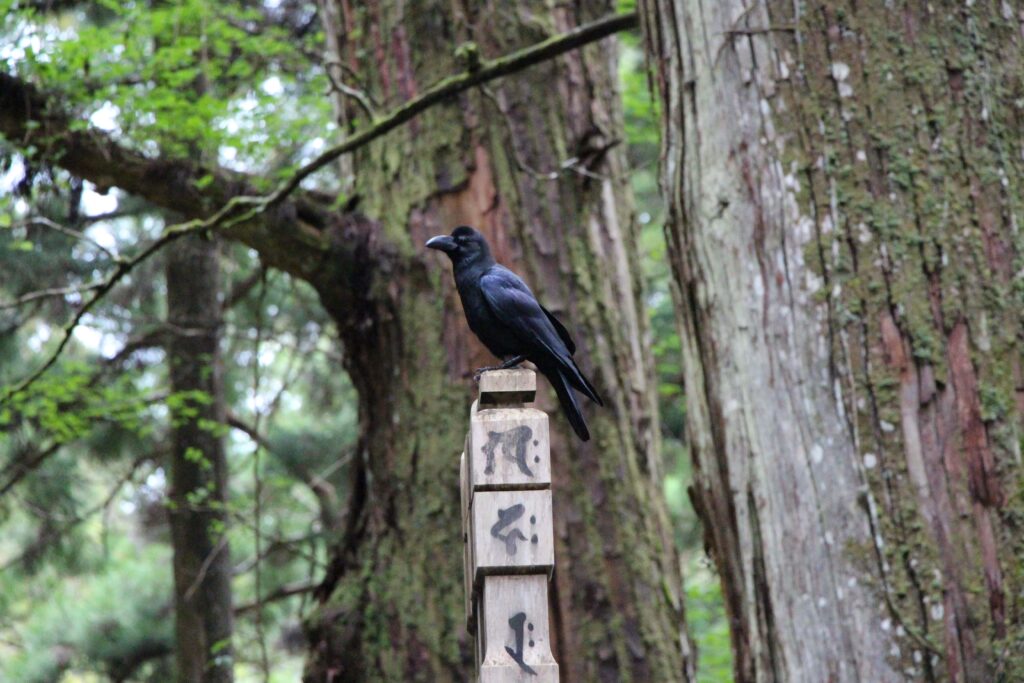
column 48, row 294
column 358, row 95
column 205, row 567
column 18, row 469
column 280, row 593
column 487, row 70
column 108, row 216
column 239, row 291
column 71, row 232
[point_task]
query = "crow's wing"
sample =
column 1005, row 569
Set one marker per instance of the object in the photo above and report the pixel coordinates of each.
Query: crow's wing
column 560, row 328
column 514, row 305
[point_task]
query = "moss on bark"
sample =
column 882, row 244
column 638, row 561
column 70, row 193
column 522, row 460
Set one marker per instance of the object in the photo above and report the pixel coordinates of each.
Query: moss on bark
column 876, row 152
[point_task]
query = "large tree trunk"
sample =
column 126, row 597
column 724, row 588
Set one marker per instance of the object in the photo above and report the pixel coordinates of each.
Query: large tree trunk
column 844, row 188
column 394, row 609
column 202, row 564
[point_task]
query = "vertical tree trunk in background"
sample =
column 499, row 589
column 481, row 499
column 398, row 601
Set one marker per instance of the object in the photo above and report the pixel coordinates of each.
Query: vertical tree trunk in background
column 333, row 18
column 202, row 566
column 844, row 182
column 394, row 609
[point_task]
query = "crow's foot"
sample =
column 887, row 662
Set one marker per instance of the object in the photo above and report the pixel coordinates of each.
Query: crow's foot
column 480, row 371
column 509, row 363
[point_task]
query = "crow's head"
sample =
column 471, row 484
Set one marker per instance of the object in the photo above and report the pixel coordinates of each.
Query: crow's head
column 464, row 245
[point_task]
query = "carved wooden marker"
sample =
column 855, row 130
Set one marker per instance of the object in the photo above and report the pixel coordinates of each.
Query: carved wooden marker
column 509, row 449
column 505, row 476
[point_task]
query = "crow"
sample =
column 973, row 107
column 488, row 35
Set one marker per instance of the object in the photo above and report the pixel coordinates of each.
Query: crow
column 503, row 313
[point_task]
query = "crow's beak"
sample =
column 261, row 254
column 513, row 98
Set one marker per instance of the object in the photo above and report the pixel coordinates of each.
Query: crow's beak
column 442, row 243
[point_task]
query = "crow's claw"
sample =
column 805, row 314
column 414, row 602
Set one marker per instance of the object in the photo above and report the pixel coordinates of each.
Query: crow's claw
column 505, row 365
column 480, row 371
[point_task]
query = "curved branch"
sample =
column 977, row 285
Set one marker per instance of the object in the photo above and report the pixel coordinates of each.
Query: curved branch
column 50, row 293
column 70, row 232
column 482, row 72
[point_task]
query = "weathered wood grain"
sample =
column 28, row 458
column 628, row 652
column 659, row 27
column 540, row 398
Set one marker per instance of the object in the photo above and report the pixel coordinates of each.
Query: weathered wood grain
column 516, row 635
column 504, row 387
column 511, row 533
column 508, row 449
column 467, row 561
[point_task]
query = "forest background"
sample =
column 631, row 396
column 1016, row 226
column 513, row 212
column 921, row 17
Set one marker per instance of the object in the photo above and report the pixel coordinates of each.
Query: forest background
column 233, row 382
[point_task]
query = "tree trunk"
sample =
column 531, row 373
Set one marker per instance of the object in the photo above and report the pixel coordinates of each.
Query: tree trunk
column 844, row 188
column 395, row 606
column 202, row 566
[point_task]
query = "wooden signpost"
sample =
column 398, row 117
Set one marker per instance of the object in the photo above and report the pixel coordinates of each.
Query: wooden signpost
column 508, row 534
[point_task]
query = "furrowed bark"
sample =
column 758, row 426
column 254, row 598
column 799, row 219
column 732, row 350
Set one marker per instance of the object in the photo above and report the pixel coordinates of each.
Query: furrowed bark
column 844, row 238
column 393, row 607
column 198, row 470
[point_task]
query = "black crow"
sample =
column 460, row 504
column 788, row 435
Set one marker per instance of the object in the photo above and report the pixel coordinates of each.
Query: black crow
column 502, row 311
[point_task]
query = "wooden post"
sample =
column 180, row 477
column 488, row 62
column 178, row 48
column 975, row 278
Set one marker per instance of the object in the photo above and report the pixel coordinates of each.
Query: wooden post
column 508, row 531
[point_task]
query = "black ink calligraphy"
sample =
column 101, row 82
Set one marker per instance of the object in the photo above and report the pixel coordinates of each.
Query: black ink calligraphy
column 513, row 443
column 516, row 622
column 507, row 517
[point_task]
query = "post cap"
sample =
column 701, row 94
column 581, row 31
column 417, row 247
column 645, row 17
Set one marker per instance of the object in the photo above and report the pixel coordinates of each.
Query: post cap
column 500, row 387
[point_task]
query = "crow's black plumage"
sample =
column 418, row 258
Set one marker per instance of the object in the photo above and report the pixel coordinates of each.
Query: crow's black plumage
column 502, row 311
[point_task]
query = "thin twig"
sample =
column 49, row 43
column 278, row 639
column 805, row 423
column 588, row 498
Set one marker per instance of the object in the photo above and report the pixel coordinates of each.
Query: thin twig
column 296, row 549
column 487, row 70
column 516, row 155
column 71, row 232
column 759, row 31
column 20, row 469
column 280, row 593
column 108, row 216
column 205, row 567
column 357, row 95
column 274, row 544
column 239, row 291
column 49, row 294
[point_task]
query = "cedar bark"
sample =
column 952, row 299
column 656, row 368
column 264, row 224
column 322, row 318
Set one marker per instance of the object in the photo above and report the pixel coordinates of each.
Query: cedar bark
column 198, row 471
column 844, row 188
column 394, row 606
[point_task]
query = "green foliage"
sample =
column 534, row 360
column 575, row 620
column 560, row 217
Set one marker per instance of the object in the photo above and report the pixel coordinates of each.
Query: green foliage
column 66, row 404
column 109, row 418
column 709, row 624
column 184, row 76
column 92, row 624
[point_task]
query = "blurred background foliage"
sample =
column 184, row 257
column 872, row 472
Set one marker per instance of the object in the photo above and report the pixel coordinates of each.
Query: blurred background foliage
column 85, row 578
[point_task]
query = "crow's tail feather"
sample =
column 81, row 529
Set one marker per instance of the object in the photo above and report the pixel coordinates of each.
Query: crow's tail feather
column 569, row 405
column 580, row 381
column 567, row 367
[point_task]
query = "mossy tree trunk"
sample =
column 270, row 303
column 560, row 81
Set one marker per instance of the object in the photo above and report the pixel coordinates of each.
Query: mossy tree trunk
column 495, row 160
column 198, row 470
column 844, row 183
